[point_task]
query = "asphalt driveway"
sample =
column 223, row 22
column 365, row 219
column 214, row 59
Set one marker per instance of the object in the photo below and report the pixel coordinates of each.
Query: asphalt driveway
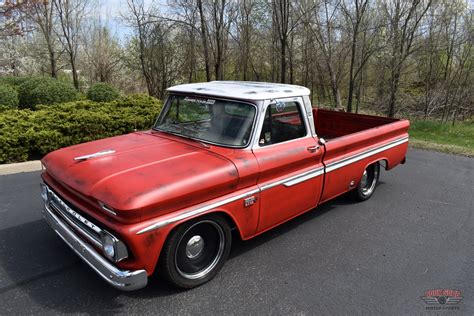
column 380, row 256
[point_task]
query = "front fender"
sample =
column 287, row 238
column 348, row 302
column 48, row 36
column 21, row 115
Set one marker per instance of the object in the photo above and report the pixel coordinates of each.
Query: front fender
column 146, row 239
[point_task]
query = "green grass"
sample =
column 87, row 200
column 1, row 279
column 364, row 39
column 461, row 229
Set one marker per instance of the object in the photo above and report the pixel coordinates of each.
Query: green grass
column 457, row 139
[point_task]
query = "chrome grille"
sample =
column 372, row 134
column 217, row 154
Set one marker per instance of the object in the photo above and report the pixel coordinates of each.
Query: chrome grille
column 82, row 225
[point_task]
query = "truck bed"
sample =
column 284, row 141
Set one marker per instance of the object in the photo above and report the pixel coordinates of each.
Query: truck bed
column 332, row 124
column 351, row 136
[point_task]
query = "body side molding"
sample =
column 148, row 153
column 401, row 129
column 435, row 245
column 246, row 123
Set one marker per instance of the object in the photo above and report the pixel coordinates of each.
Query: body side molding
column 286, row 182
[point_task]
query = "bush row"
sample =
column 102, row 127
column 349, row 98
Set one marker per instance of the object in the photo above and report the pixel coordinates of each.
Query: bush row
column 28, row 92
column 26, row 134
column 42, row 90
column 102, row 92
column 8, row 96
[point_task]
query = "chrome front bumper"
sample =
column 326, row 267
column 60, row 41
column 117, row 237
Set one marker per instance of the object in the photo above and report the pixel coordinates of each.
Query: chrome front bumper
column 122, row 280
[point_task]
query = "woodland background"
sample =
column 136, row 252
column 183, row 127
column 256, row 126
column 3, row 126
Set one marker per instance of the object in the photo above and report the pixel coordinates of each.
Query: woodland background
column 393, row 57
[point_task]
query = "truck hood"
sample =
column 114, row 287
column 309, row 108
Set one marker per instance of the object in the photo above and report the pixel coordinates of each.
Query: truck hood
column 146, row 172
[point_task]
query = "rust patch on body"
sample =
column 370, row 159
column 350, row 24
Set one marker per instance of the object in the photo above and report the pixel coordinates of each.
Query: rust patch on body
column 232, row 173
column 79, row 182
column 150, row 239
column 282, row 154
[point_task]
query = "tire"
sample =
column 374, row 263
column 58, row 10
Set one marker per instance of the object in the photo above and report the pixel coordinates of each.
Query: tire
column 195, row 252
column 366, row 187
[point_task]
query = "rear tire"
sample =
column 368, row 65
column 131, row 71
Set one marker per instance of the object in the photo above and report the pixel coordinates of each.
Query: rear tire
column 195, row 252
column 366, row 187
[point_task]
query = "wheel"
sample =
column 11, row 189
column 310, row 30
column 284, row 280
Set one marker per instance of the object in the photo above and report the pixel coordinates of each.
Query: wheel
column 196, row 251
column 367, row 183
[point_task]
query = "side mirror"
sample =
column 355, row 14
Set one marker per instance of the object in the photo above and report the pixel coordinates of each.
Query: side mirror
column 278, row 105
column 322, row 141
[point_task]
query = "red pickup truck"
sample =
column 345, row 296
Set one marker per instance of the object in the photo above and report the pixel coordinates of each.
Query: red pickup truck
column 224, row 160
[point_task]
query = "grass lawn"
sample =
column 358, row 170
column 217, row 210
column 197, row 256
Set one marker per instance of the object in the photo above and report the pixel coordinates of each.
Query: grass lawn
column 457, row 139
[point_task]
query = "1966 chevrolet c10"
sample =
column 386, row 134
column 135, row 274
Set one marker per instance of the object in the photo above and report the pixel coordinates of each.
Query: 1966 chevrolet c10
column 223, row 159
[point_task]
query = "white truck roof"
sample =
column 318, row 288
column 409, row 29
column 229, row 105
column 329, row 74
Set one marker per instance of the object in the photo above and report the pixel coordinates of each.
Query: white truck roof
column 246, row 90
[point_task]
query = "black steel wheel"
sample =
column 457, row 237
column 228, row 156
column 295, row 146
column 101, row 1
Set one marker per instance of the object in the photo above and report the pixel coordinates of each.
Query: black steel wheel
column 196, row 251
column 366, row 187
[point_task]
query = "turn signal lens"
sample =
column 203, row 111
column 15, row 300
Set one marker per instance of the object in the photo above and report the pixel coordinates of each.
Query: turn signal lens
column 108, row 245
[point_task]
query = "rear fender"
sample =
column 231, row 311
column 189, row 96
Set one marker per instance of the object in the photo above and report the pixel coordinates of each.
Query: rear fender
column 382, row 161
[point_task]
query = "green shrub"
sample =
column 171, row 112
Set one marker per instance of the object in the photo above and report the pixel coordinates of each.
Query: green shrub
column 102, row 92
column 8, row 96
column 26, row 134
column 14, row 142
column 13, row 81
column 4, row 108
column 45, row 90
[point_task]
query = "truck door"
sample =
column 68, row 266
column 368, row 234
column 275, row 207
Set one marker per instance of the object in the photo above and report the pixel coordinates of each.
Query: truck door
column 290, row 163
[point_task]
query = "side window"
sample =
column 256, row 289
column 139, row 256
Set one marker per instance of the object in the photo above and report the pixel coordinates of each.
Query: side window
column 283, row 121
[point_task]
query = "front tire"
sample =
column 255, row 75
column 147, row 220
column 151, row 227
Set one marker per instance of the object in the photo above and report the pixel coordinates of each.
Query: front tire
column 195, row 252
column 367, row 183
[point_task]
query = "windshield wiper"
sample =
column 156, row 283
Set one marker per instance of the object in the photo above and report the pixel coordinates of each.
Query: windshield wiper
column 203, row 144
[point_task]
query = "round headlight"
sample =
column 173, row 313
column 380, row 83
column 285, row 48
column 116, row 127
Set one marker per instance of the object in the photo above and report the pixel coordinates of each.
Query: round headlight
column 108, row 245
column 44, row 193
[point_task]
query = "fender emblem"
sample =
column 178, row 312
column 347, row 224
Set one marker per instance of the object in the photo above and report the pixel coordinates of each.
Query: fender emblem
column 250, row 201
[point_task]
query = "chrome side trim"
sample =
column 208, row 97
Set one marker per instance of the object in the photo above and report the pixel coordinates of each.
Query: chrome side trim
column 195, row 211
column 120, row 279
column 347, row 161
column 287, row 182
column 305, row 176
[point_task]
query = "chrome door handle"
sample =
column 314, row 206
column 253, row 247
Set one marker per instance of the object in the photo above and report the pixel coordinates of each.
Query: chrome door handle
column 313, row 149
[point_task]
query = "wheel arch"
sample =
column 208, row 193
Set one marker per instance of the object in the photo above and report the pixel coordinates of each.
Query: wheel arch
column 383, row 161
column 170, row 228
column 218, row 212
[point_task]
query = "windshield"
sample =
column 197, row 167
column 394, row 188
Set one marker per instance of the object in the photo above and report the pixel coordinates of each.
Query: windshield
column 227, row 123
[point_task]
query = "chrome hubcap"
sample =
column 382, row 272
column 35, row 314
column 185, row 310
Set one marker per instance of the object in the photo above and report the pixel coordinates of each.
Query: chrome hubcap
column 200, row 249
column 194, row 246
column 369, row 180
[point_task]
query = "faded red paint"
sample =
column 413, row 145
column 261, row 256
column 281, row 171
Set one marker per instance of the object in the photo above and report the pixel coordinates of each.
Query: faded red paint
column 155, row 176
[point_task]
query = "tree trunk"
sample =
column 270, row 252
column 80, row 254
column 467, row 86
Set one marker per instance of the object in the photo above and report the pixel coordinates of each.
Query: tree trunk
column 75, row 77
column 52, row 60
column 393, row 94
column 359, row 91
column 335, row 87
column 204, row 40
column 192, row 59
column 283, row 61
column 351, row 71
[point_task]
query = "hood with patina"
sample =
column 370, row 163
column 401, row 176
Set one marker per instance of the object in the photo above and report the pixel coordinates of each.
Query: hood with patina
column 144, row 171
